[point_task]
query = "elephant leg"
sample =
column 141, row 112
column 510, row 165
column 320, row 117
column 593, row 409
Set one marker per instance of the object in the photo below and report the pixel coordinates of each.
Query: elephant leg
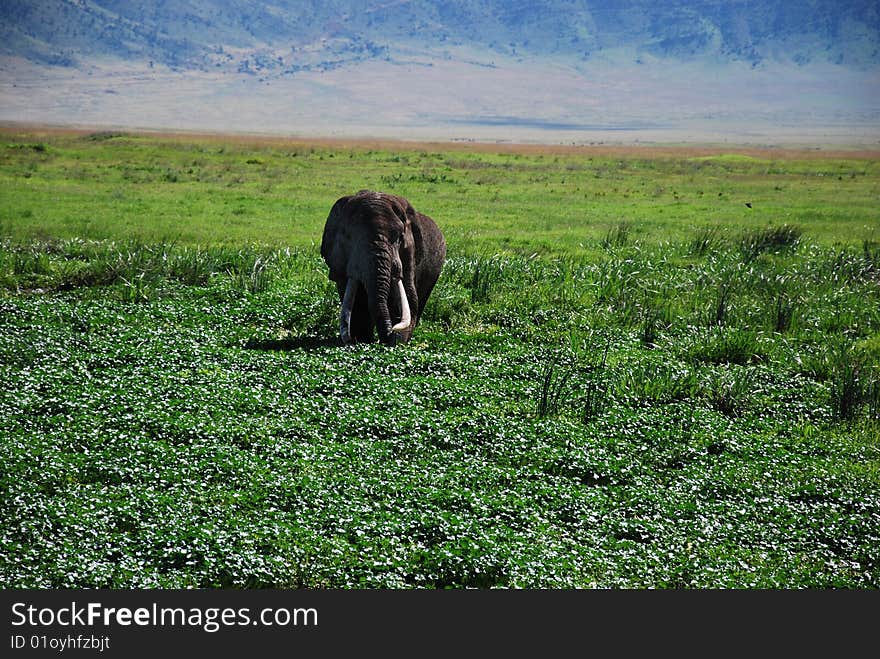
column 361, row 321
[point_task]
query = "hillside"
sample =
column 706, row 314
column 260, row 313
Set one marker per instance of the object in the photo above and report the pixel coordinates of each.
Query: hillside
column 559, row 70
column 283, row 34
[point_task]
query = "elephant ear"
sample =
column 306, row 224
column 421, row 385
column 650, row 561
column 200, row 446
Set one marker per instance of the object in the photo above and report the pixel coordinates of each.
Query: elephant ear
column 331, row 226
column 404, row 212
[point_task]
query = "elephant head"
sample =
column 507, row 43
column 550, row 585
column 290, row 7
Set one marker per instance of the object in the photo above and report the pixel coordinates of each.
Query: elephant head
column 385, row 258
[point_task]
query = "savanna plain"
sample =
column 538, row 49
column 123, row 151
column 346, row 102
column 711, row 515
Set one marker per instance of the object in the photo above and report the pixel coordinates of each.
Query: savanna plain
column 641, row 368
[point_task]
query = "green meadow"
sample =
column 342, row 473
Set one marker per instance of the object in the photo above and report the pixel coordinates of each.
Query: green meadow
column 642, row 368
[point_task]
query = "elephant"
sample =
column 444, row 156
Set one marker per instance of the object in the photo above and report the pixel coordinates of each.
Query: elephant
column 385, row 258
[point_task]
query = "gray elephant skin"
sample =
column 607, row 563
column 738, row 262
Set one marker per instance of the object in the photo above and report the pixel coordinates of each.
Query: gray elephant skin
column 385, row 258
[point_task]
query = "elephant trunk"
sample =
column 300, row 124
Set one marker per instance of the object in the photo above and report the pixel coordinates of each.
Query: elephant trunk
column 386, row 293
column 380, row 302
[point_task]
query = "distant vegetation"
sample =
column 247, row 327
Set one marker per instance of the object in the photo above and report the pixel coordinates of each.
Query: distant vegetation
column 639, row 369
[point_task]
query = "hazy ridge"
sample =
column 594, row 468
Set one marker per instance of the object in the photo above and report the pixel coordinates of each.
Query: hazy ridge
column 485, row 69
column 205, row 33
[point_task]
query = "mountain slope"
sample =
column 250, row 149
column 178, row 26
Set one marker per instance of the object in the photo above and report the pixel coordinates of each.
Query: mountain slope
column 753, row 71
column 280, row 34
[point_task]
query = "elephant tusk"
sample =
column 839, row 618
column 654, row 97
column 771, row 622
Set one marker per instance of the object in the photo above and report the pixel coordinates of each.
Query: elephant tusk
column 405, row 318
column 345, row 312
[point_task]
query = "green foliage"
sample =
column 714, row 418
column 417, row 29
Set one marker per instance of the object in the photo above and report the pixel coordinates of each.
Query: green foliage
column 181, row 414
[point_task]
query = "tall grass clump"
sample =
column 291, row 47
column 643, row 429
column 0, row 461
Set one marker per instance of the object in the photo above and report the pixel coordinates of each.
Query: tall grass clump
column 484, row 274
column 621, row 283
column 783, row 312
column 849, row 265
column 722, row 300
column 656, row 383
column 657, row 316
column 252, row 272
column 726, row 346
column 705, row 241
column 777, row 297
column 33, row 261
column 855, row 387
column 553, row 386
column 596, row 390
column 142, row 269
column 754, row 242
column 650, row 327
column 480, row 274
column 729, row 390
column 871, row 257
column 617, row 235
column 580, row 379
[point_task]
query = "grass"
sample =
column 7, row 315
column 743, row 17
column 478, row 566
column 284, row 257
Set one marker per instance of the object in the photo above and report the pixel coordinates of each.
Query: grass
column 600, row 394
column 209, row 192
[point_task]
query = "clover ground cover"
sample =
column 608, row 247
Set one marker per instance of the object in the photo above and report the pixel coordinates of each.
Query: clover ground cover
column 639, row 404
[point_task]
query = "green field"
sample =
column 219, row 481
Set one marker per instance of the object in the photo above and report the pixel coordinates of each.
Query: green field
column 640, row 368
